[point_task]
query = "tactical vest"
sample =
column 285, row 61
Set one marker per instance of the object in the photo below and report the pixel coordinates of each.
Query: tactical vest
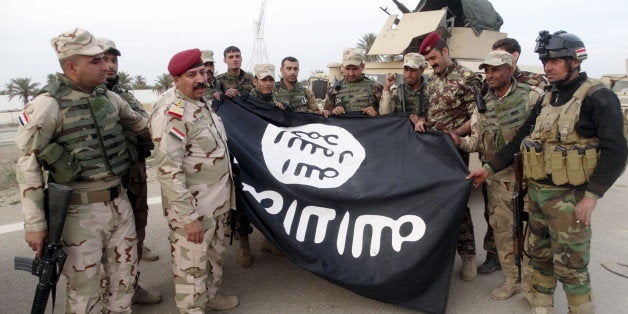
column 356, row 95
column 91, row 132
column 416, row 102
column 138, row 148
column 295, row 98
column 554, row 146
column 502, row 119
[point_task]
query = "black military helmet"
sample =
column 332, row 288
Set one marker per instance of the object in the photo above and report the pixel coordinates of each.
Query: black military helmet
column 559, row 45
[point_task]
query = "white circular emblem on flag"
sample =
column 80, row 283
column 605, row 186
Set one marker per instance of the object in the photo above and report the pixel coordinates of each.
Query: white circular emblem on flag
column 317, row 155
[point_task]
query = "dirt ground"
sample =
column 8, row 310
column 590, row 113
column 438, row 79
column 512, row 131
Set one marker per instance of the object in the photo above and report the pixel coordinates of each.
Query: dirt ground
column 9, row 193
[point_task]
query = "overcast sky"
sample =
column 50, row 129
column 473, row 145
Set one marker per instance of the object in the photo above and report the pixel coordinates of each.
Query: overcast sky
column 148, row 33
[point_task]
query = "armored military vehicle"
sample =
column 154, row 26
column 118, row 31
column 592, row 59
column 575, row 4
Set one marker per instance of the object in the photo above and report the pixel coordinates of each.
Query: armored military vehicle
column 618, row 83
column 470, row 28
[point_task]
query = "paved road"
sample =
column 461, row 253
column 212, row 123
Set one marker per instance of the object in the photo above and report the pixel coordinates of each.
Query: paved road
column 7, row 136
column 273, row 284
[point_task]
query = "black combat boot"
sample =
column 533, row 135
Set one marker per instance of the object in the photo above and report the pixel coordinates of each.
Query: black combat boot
column 491, row 264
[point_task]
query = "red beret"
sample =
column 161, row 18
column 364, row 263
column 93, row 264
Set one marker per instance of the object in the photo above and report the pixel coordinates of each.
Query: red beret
column 429, row 42
column 184, row 60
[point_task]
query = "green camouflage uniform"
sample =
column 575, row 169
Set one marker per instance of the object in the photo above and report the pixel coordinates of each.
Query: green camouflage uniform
column 99, row 229
column 529, row 78
column 354, row 96
column 559, row 244
column 135, row 180
column 243, row 83
column 211, row 89
column 299, row 99
column 451, row 102
column 272, row 97
column 196, row 184
column 416, row 101
column 490, row 132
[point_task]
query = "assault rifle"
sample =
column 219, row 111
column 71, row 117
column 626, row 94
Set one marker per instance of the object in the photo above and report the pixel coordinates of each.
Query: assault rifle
column 519, row 216
column 402, row 96
column 48, row 267
column 479, row 100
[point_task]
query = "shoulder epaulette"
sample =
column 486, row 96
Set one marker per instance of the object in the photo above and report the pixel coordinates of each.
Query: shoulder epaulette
column 176, row 109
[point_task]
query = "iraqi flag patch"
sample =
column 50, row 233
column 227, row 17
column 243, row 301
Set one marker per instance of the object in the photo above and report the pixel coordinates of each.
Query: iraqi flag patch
column 177, row 133
column 581, row 53
column 23, row 118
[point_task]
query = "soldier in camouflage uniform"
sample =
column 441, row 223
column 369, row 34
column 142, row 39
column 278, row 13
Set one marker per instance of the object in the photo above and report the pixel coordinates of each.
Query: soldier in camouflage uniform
column 196, row 184
column 508, row 103
column 290, row 92
column 232, row 83
column 573, row 150
column 414, row 97
column 356, row 92
column 212, row 83
column 452, row 93
column 511, row 46
column 264, row 82
column 74, row 129
column 235, row 81
column 135, row 180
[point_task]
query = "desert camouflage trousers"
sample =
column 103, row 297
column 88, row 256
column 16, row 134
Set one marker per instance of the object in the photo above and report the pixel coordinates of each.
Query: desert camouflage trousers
column 559, row 246
column 197, row 268
column 100, row 241
column 499, row 196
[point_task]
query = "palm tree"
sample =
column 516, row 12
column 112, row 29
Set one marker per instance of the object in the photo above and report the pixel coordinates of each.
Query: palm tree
column 162, row 83
column 23, row 88
column 365, row 43
column 124, row 79
column 139, row 82
column 50, row 78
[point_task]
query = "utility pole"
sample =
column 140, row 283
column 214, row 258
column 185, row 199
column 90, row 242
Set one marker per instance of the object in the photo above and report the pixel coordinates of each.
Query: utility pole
column 259, row 47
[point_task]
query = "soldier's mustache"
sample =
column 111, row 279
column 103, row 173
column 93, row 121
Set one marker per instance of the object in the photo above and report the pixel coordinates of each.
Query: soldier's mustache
column 200, row 85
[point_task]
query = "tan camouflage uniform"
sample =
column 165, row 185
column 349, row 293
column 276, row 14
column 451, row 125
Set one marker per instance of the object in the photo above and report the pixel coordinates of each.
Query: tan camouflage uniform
column 451, row 102
column 196, row 184
column 243, row 83
column 490, row 132
column 532, row 79
column 95, row 232
column 299, row 99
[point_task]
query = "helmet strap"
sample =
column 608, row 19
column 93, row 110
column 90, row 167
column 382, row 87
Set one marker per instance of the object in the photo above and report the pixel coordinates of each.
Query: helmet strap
column 567, row 76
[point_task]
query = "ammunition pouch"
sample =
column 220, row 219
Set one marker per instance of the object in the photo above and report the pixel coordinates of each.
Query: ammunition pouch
column 567, row 163
column 533, row 160
column 62, row 166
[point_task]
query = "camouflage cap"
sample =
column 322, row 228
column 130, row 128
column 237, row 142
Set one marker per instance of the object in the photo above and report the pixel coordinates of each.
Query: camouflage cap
column 264, row 70
column 76, row 42
column 207, row 56
column 352, row 56
column 109, row 46
column 496, row 58
column 414, row 60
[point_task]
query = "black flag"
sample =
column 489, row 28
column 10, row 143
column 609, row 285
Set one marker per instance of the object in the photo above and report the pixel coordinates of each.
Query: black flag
column 366, row 203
